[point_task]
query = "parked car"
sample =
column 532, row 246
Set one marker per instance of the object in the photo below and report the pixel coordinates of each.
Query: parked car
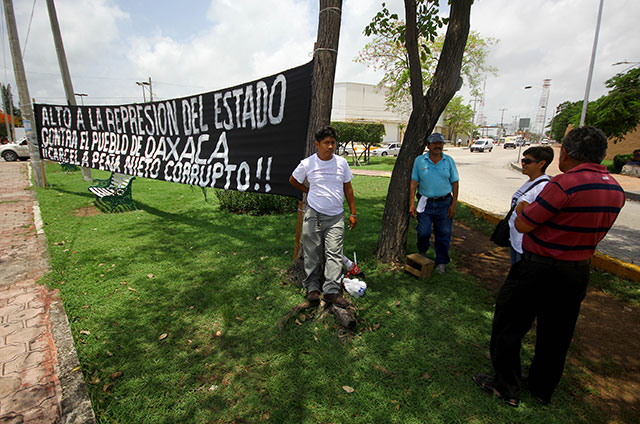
column 389, row 149
column 482, row 145
column 13, row 151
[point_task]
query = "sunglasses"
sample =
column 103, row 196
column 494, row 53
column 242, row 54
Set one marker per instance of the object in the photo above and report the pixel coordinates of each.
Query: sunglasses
column 527, row 161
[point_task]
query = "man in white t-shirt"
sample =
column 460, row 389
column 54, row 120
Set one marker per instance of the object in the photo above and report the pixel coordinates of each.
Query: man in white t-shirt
column 329, row 181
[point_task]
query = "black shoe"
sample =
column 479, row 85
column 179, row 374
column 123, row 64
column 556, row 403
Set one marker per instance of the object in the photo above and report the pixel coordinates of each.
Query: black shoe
column 525, row 383
column 488, row 384
column 313, row 297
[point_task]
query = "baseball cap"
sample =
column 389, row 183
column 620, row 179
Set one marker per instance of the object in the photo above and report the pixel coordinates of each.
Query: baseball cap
column 435, row 138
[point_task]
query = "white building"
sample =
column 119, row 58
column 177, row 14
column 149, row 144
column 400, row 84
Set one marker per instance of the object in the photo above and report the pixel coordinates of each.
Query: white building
column 356, row 102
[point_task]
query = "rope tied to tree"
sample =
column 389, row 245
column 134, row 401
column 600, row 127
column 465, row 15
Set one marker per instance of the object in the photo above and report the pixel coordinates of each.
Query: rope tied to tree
column 333, row 9
column 325, row 48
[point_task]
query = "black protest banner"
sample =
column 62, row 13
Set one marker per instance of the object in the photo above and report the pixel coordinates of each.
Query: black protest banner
column 247, row 138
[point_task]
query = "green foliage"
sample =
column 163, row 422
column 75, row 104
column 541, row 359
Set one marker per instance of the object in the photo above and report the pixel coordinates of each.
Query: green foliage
column 619, row 111
column 616, row 113
column 388, row 26
column 566, row 113
column 368, row 134
column 249, row 203
column 387, row 53
column 458, row 117
column 619, row 161
column 4, row 94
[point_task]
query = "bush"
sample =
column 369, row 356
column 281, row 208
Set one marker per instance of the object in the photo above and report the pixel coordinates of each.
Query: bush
column 255, row 203
column 619, row 161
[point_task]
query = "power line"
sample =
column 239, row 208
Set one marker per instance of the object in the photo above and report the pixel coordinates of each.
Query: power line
column 24, row 49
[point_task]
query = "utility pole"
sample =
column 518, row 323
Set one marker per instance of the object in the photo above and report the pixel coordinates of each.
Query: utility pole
column 150, row 91
column 5, row 101
column 501, row 126
column 23, row 90
column 11, row 115
column 64, row 68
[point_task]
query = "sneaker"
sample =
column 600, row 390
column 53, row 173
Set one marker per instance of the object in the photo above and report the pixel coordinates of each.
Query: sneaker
column 337, row 299
column 440, row 268
column 313, row 297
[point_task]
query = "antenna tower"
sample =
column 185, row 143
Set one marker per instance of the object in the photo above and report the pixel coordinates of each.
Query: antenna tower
column 542, row 108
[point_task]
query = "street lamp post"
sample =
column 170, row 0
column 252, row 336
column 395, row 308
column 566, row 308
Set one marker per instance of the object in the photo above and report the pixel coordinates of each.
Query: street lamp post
column 82, row 96
column 148, row 83
column 142, row 84
column 590, row 75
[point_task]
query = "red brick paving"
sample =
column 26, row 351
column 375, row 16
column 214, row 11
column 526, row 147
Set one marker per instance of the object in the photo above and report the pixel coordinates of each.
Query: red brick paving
column 29, row 388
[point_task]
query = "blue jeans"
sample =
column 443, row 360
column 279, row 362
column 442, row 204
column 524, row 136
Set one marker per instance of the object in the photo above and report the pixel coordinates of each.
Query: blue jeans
column 515, row 256
column 436, row 214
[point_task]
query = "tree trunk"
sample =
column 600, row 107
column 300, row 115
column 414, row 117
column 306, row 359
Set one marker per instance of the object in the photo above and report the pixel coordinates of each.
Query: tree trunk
column 325, row 56
column 324, row 68
column 424, row 116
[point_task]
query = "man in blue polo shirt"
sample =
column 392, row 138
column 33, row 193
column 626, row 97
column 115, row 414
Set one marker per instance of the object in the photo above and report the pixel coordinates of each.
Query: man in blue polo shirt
column 435, row 178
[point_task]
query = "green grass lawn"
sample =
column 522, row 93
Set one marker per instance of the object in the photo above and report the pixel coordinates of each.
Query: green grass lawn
column 183, row 300
column 377, row 163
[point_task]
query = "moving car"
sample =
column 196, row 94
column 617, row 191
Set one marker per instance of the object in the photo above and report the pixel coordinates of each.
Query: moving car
column 13, row 151
column 389, row 149
column 482, row 144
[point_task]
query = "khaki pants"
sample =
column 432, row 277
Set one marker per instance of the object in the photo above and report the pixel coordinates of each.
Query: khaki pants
column 322, row 238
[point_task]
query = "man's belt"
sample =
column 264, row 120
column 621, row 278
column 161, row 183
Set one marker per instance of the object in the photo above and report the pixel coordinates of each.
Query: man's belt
column 439, row 199
column 532, row 257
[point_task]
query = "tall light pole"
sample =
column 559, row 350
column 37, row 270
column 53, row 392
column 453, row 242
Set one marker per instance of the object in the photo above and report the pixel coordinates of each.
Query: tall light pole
column 82, row 96
column 590, row 75
column 142, row 84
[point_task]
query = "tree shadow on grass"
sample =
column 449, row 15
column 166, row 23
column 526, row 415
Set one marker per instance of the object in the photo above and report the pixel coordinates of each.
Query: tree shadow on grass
column 213, row 283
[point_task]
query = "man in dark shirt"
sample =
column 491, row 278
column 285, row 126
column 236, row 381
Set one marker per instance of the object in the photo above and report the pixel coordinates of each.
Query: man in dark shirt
column 561, row 231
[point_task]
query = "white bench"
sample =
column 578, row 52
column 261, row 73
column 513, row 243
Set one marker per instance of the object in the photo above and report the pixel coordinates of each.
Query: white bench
column 114, row 194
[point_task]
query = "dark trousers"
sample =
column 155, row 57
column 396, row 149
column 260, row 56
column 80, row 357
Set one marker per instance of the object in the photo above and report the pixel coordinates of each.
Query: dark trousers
column 436, row 214
column 551, row 292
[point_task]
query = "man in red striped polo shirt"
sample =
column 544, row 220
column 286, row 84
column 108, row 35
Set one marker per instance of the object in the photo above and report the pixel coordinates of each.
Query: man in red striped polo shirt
column 562, row 229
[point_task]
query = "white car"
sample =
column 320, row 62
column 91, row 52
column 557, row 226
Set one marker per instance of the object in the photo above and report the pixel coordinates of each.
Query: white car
column 13, row 151
column 482, row 144
column 389, row 149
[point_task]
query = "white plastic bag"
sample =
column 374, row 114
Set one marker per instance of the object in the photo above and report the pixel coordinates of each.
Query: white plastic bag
column 354, row 287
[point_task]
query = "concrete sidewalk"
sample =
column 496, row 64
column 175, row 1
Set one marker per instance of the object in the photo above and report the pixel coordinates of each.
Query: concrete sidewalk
column 40, row 376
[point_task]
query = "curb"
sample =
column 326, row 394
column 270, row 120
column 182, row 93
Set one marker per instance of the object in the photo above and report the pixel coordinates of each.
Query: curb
column 75, row 402
column 598, row 260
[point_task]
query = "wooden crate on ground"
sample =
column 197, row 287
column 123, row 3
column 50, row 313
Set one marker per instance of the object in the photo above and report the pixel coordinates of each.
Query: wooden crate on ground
column 419, row 266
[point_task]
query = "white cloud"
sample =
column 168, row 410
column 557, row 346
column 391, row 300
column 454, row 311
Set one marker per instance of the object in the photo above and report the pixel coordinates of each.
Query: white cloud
column 111, row 44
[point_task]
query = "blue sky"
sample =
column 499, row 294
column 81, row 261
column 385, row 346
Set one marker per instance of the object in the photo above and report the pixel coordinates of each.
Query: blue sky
column 201, row 45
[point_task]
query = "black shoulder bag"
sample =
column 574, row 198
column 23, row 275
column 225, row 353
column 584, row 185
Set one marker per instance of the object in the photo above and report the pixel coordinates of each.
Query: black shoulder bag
column 500, row 234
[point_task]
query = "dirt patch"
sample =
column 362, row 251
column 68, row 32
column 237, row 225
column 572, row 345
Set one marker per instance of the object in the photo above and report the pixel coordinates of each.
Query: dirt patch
column 607, row 337
column 87, row 211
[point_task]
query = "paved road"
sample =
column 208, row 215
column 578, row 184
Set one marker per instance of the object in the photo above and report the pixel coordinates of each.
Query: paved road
column 487, row 181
